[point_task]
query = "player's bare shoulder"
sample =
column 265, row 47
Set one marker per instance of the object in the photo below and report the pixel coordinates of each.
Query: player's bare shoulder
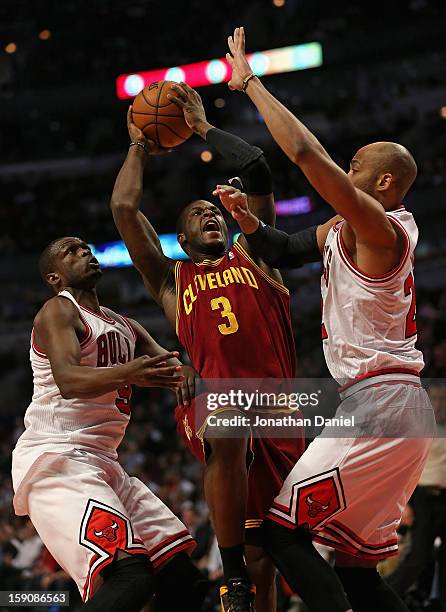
column 56, row 312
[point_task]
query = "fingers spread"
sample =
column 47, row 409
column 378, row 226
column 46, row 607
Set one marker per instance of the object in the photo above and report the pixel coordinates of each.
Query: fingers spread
column 163, row 357
column 179, row 90
column 231, row 44
column 165, row 371
column 178, row 101
column 241, row 43
column 187, row 88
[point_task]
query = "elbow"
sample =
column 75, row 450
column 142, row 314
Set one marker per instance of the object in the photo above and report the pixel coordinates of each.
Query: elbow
column 303, row 151
column 66, row 393
column 66, row 390
column 123, row 206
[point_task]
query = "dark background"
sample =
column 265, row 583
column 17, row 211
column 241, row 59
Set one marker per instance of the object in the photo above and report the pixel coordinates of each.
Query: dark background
column 63, row 137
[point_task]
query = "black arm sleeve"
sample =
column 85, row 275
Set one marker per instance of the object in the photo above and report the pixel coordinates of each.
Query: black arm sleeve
column 281, row 250
column 246, row 159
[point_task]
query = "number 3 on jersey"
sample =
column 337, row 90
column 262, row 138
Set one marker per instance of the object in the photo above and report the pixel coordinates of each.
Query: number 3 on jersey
column 226, row 312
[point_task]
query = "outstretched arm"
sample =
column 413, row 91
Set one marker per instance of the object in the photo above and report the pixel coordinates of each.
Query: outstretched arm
column 135, row 229
column 277, row 249
column 365, row 215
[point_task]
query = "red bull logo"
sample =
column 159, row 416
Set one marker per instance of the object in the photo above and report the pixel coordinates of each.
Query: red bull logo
column 109, row 532
column 315, row 507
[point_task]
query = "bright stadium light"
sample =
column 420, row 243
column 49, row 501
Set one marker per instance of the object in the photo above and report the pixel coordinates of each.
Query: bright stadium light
column 259, row 63
column 133, row 84
column 216, row 71
column 115, row 254
column 274, row 61
column 175, row 74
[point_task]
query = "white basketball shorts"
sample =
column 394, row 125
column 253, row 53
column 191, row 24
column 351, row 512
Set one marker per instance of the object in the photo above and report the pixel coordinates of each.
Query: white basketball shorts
column 350, row 492
column 85, row 507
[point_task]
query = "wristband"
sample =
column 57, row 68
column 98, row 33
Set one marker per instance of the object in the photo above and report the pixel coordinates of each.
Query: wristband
column 138, row 144
column 246, row 81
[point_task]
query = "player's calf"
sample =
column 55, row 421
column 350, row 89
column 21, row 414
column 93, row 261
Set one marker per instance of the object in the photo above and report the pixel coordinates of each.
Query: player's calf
column 366, row 590
column 263, row 573
column 307, row 573
column 226, row 491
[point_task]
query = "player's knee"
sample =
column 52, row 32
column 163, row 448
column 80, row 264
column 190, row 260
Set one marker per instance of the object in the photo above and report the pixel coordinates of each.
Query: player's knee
column 229, row 424
column 226, row 446
column 277, row 537
column 179, row 585
column 128, row 583
column 134, row 573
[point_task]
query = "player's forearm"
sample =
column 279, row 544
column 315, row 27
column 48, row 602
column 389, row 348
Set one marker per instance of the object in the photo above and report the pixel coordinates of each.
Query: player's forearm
column 248, row 162
column 290, row 134
column 128, row 189
column 281, row 250
column 84, row 382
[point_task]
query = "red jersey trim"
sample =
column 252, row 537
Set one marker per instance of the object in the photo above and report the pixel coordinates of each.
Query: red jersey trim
column 88, row 330
column 41, row 353
column 268, row 278
column 377, row 373
column 130, row 326
column 369, row 278
column 99, row 316
column 36, row 348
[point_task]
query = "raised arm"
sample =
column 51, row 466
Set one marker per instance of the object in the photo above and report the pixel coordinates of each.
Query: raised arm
column 365, row 215
column 135, row 229
column 56, row 330
column 246, row 160
column 276, row 248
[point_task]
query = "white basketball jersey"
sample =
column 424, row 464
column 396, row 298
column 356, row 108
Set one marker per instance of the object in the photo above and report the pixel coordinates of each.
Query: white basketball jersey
column 54, row 424
column 368, row 323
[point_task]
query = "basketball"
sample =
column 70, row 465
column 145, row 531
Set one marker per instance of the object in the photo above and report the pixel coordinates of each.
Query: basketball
column 160, row 119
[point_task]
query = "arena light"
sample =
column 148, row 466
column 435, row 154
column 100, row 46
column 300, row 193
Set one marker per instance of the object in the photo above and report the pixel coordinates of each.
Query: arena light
column 115, row 254
column 206, row 156
column 274, row 61
column 45, row 35
column 294, row 206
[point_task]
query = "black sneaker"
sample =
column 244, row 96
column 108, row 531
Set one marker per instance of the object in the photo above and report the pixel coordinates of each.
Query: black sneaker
column 237, row 596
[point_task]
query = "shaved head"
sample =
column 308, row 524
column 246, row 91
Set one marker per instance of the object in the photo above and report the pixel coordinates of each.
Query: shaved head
column 47, row 259
column 69, row 262
column 390, row 158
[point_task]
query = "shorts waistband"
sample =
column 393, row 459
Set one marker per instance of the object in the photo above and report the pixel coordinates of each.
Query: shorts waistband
column 372, row 379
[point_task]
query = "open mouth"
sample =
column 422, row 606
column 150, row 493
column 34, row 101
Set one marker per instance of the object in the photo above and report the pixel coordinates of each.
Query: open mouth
column 94, row 263
column 211, row 226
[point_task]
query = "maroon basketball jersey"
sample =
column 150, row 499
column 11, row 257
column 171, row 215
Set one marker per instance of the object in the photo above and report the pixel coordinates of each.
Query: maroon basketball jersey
column 233, row 319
